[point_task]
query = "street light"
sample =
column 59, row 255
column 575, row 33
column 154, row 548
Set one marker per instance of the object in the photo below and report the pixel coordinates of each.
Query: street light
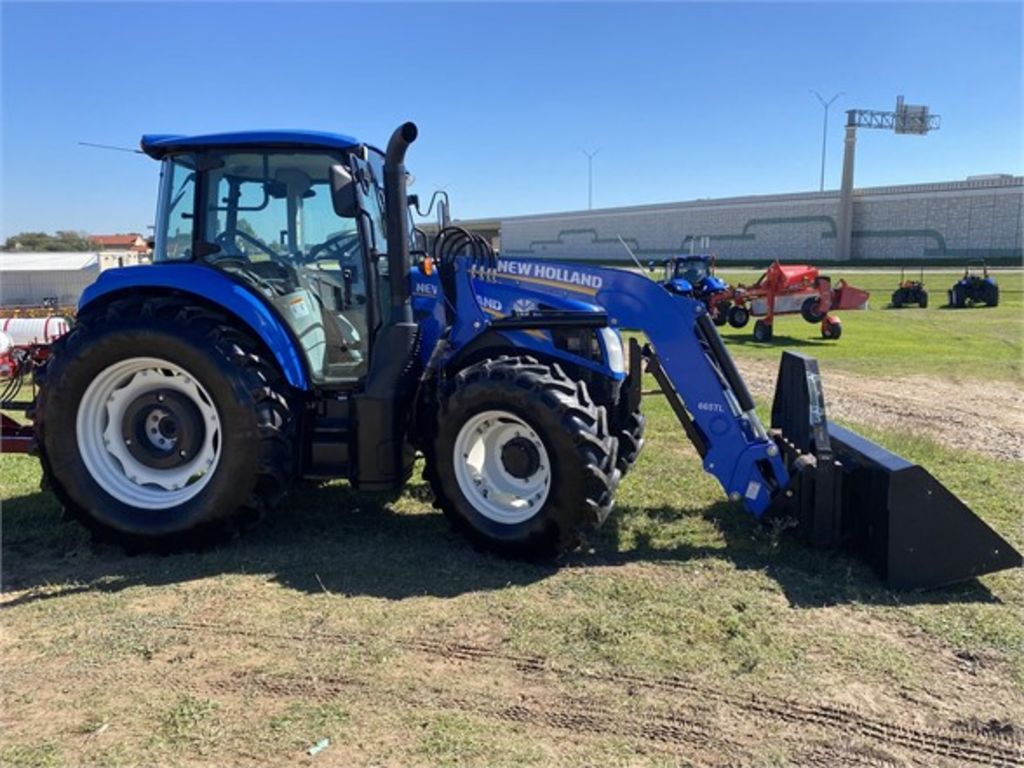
column 824, row 132
column 590, row 176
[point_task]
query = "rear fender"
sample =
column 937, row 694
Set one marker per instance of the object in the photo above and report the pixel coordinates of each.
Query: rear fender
column 208, row 286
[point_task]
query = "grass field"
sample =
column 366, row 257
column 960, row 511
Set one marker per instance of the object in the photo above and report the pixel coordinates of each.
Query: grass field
column 684, row 634
column 979, row 343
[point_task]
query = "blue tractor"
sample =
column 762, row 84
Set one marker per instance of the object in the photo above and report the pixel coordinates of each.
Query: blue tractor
column 973, row 289
column 693, row 275
column 290, row 327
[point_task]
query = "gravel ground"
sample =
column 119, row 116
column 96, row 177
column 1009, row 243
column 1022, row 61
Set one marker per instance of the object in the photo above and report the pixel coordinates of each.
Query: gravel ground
column 987, row 418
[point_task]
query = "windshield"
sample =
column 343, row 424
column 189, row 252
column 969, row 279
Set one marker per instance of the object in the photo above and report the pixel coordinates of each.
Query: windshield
column 692, row 270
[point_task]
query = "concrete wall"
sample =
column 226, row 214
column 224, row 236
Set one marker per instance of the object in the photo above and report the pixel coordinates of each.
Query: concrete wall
column 949, row 222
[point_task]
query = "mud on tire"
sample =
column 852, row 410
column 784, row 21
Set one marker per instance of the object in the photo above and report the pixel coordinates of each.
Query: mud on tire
column 573, row 429
column 256, row 436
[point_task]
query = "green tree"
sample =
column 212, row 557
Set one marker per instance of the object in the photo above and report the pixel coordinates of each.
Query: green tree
column 63, row 240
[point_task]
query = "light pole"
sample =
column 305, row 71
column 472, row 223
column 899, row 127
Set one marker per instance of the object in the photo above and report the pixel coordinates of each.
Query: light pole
column 824, row 132
column 590, row 176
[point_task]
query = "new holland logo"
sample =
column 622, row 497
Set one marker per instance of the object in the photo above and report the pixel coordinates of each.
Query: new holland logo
column 524, row 306
column 552, row 272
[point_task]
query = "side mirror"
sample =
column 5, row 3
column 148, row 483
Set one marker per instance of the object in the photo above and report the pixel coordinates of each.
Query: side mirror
column 343, row 192
column 651, row 266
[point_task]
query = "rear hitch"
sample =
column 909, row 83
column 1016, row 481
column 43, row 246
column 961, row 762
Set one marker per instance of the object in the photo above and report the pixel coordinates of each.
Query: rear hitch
column 848, row 492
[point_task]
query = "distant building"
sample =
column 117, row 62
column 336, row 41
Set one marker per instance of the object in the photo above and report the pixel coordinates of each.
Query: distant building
column 131, row 241
column 114, row 259
column 934, row 223
column 31, row 279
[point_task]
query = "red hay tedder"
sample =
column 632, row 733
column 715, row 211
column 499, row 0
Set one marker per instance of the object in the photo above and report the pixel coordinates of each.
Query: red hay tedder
column 788, row 289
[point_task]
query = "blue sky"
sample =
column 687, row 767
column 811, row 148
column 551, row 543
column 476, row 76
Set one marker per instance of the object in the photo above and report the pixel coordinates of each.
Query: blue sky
column 684, row 100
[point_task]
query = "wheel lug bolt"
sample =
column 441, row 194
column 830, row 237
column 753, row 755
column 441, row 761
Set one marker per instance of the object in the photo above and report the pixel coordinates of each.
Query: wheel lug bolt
column 182, row 454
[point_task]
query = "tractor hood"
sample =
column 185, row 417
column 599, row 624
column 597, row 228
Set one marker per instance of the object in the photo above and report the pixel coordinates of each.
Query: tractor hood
column 499, row 298
column 526, row 289
column 679, row 285
column 712, row 284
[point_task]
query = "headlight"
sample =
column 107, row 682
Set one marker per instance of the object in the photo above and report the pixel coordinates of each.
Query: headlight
column 613, row 347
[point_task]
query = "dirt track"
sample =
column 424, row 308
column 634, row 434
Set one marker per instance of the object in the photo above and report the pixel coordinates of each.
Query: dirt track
column 975, row 416
column 673, row 714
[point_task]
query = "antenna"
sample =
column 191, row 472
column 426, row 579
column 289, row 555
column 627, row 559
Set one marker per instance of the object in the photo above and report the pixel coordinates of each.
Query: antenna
column 110, row 146
column 632, row 255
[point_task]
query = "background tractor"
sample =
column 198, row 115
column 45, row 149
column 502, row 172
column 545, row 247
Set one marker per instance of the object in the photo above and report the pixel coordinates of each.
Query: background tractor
column 284, row 331
column 694, row 275
column 910, row 292
column 973, row 289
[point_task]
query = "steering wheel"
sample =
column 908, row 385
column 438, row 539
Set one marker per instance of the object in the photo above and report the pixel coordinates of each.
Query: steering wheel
column 226, row 241
column 333, row 246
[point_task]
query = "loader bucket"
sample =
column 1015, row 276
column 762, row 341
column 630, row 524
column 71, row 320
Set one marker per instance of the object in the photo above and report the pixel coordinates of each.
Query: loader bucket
column 852, row 493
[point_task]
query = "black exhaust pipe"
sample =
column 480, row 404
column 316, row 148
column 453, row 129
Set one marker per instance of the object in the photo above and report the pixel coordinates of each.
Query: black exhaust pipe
column 384, row 455
column 397, row 212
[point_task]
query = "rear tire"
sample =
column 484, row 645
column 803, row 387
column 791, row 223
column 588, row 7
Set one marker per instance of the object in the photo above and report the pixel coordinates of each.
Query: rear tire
column 135, row 365
column 992, row 296
column 536, row 471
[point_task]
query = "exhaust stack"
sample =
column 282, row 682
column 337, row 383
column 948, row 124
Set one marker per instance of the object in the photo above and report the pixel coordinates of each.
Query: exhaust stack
column 850, row 492
column 397, row 212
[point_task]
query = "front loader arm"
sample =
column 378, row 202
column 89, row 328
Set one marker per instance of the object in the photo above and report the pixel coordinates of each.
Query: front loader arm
column 696, row 372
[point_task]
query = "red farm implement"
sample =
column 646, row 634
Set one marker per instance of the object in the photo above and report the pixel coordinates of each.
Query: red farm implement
column 24, row 346
column 789, row 289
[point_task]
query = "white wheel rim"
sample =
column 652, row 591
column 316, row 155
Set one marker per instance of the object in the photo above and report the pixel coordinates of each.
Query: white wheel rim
column 483, row 477
column 108, row 454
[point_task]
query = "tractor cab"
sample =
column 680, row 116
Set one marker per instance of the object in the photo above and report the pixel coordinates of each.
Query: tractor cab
column 298, row 217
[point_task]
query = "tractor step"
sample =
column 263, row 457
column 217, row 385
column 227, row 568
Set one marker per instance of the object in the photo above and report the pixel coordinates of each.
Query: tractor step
column 848, row 492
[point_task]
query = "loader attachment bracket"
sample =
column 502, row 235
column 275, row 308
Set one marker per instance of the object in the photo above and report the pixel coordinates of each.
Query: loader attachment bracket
column 849, row 492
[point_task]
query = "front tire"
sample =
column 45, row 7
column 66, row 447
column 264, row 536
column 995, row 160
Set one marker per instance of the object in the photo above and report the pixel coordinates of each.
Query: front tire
column 522, row 461
column 738, row 316
column 161, row 426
